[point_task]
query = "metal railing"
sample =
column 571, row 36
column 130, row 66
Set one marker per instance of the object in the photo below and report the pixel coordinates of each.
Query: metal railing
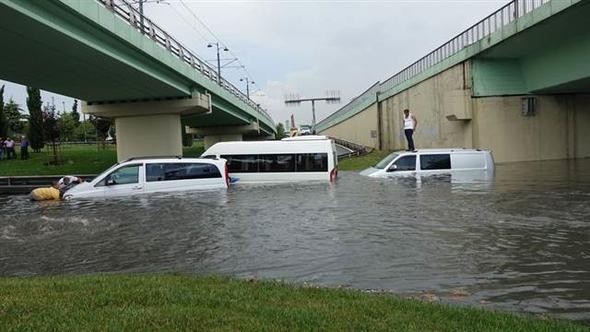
column 492, row 23
column 133, row 17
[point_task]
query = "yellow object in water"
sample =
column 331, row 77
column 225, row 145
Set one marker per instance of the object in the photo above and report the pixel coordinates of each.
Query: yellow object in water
column 45, row 194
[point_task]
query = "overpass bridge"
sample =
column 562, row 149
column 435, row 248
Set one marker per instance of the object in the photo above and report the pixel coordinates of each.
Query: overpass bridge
column 125, row 67
column 517, row 82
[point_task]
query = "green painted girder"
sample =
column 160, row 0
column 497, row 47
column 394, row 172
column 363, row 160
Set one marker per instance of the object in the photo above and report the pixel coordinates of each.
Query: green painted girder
column 80, row 49
column 547, row 58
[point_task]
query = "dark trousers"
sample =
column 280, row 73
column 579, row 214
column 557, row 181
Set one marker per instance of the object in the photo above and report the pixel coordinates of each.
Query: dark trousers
column 24, row 153
column 409, row 133
column 10, row 154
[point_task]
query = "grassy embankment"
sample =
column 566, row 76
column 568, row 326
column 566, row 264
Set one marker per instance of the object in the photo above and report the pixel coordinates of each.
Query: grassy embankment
column 362, row 162
column 174, row 302
column 78, row 159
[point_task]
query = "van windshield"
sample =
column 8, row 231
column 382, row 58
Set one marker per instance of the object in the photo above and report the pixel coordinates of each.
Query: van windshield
column 383, row 163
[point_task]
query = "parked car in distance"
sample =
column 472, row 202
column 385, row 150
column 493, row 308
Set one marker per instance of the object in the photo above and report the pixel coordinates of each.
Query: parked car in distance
column 305, row 130
column 154, row 174
column 432, row 161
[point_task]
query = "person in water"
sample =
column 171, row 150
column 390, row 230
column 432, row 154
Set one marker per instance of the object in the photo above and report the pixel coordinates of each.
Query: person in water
column 47, row 193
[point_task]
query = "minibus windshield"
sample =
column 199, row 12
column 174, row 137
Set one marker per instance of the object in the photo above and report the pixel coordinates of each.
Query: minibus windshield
column 383, row 163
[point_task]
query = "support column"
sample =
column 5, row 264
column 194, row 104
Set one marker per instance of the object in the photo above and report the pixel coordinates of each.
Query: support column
column 150, row 135
column 150, row 128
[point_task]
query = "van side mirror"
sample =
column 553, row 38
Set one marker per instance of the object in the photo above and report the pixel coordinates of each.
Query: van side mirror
column 393, row 168
column 109, row 181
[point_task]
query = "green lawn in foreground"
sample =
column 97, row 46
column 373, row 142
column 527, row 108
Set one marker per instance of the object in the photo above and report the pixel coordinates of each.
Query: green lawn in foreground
column 362, row 162
column 78, row 159
column 174, row 302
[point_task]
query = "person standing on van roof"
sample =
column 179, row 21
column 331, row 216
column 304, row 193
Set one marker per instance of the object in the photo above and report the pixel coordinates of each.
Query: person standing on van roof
column 410, row 124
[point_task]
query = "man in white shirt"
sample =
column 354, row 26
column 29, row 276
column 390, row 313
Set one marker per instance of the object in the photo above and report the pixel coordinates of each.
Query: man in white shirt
column 410, row 124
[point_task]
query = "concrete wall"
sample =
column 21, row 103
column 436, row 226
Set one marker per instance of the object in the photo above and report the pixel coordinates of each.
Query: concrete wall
column 360, row 129
column 558, row 130
column 431, row 102
column 448, row 116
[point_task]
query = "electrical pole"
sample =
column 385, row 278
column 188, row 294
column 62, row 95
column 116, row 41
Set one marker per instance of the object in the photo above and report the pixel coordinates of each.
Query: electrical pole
column 333, row 98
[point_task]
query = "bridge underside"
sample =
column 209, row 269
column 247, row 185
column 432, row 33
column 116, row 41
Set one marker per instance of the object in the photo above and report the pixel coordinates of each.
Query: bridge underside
column 550, row 57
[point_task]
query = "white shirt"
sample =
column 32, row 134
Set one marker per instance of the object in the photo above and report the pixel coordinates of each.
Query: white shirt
column 408, row 122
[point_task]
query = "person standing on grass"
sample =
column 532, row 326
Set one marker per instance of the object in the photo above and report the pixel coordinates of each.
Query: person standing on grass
column 24, row 148
column 410, row 124
column 1, row 148
column 9, row 144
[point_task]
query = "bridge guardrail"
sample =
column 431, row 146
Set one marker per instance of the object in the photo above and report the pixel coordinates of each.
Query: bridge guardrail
column 500, row 18
column 144, row 25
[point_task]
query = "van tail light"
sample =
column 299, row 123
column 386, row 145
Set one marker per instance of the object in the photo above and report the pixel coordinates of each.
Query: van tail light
column 226, row 174
column 333, row 174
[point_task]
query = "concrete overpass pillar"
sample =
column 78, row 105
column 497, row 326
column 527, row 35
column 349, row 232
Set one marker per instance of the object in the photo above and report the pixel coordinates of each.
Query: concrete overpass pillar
column 150, row 135
column 150, row 128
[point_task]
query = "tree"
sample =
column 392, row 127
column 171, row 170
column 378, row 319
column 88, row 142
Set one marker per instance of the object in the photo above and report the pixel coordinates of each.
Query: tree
column 102, row 126
column 34, row 105
column 51, row 131
column 67, row 126
column 14, row 118
column 3, row 121
column 85, row 131
column 75, row 113
column 280, row 134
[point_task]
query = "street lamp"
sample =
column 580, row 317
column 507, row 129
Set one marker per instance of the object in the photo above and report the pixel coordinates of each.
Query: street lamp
column 225, row 49
column 247, row 85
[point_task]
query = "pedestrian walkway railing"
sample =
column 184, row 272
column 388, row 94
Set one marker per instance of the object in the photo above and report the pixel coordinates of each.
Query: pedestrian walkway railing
column 502, row 17
column 135, row 19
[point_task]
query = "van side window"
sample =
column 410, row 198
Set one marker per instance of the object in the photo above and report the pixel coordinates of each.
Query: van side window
column 276, row 163
column 242, row 163
column 435, row 161
column 124, row 175
column 407, row 163
column 180, row 171
column 312, row 162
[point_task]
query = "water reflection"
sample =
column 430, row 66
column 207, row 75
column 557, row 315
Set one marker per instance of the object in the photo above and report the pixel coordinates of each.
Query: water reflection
column 518, row 240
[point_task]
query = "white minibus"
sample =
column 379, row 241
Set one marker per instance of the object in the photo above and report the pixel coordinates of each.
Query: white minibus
column 297, row 158
column 432, row 161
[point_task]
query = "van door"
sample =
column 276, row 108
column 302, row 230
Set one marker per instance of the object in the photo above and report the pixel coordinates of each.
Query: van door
column 404, row 165
column 435, row 163
column 123, row 181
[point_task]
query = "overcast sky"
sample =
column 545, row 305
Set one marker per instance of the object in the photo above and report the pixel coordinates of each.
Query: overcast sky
column 309, row 47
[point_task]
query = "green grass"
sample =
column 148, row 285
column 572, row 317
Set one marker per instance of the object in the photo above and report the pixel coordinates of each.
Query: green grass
column 175, row 302
column 78, row 159
column 362, row 162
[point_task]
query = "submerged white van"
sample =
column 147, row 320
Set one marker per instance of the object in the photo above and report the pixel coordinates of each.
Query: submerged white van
column 151, row 174
column 299, row 158
column 432, row 161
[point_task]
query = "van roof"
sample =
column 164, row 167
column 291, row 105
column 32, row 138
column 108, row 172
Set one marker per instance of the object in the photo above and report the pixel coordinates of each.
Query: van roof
column 443, row 150
column 306, row 138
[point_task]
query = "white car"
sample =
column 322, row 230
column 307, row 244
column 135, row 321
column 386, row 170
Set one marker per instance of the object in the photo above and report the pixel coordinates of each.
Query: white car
column 432, row 161
column 150, row 174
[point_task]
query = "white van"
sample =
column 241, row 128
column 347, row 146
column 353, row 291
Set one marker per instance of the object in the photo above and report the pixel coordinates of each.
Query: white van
column 297, row 158
column 432, row 161
column 151, row 174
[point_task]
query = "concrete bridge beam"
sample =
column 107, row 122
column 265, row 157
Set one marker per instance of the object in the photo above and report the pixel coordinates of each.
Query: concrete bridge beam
column 149, row 128
column 225, row 134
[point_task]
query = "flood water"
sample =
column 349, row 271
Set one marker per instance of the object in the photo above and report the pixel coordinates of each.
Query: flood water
column 519, row 241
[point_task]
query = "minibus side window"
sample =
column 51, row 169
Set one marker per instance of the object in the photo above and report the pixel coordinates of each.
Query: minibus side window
column 312, row 162
column 242, row 163
column 276, row 163
column 406, row 163
column 435, row 161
